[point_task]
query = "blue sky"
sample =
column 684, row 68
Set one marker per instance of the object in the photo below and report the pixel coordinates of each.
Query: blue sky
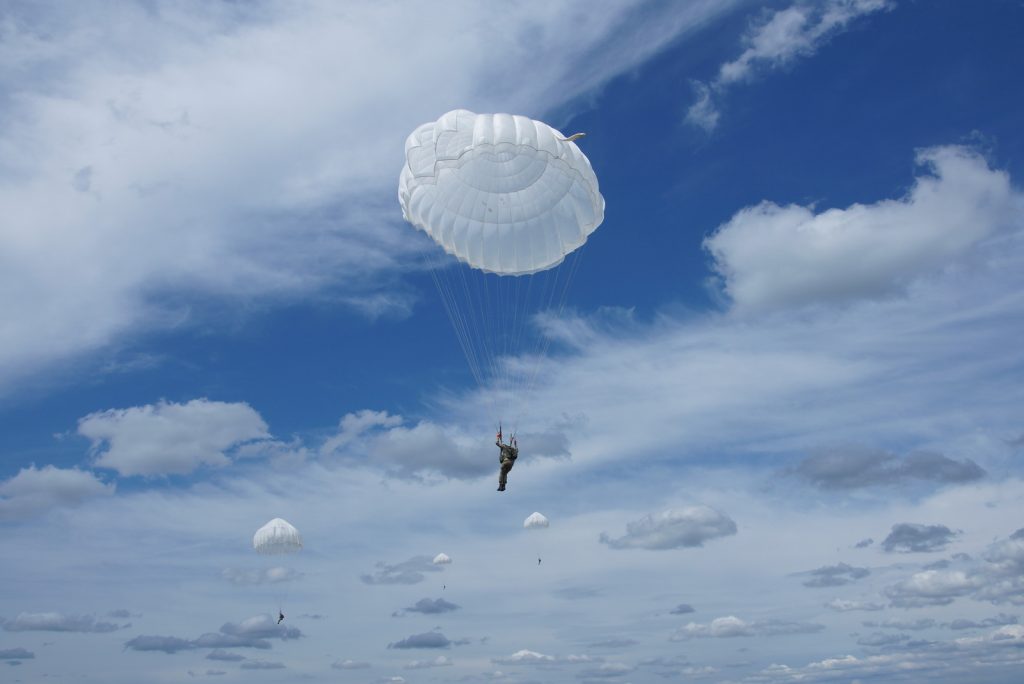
column 777, row 433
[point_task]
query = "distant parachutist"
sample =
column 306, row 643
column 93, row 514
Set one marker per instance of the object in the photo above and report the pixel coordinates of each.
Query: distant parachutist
column 538, row 561
column 280, row 617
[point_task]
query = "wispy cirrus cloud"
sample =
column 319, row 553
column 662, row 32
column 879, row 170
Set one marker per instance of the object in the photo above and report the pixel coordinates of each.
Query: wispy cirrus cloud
column 775, row 39
column 172, row 191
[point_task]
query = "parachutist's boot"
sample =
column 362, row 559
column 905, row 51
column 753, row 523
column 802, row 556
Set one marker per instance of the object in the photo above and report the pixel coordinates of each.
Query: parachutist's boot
column 501, row 488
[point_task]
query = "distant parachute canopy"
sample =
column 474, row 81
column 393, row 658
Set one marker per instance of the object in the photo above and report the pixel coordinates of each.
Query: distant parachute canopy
column 535, row 521
column 276, row 537
column 504, row 194
column 442, row 559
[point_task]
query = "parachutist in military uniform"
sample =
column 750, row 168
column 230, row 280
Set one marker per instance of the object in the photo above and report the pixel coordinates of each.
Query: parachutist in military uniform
column 507, row 459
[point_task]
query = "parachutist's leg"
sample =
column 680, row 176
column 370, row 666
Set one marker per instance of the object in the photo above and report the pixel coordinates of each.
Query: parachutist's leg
column 503, row 475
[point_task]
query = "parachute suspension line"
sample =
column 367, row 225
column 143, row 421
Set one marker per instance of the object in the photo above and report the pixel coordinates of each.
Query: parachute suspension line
column 544, row 343
column 458, row 310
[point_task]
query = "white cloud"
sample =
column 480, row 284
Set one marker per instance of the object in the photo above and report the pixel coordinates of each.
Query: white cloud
column 723, row 627
column 846, row 605
column 57, row 622
column 771, row 256
column 35, row 490
column 930, row 588
column 798, row 30
column 525, row 656
column 732, row 626
column 146, row 169
column 166, row 438
column 439, row 661
column 673, row 529
column 777, row 39
column 349, row 664
column 703, row 112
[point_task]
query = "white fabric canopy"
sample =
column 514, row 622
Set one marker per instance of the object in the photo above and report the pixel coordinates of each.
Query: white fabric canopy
column 277, row 536
column 504, row 194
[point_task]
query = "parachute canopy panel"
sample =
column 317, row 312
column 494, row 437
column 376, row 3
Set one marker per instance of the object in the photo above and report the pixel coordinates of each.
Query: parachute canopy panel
column 442, row 559
column 504, row 194
column 535, row 521
column 276, row 537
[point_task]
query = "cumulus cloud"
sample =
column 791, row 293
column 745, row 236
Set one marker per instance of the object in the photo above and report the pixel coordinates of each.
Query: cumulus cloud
column 835, row 575
column 772, row 257
column 525, row 656
column 349, row 664
column 723, row 627
column 418, row 451
column 406, row 572
column 428, row 606
column 166, row 644
column 36, row 490
column 253, row 632
column 846, row 605
column 673, row 529
column 996, row 621
column 1002, row 576
column 57, row 622
column 777, row 39
column 260, row 627
column 732, row 626
column 864, row 543
column 221, row 654
column 439, row 661
column 853, row 468
column 930, row 588
column 915, row 538
column 170, row 439
column 682, row 609
column 424, row 640
column 16, row 654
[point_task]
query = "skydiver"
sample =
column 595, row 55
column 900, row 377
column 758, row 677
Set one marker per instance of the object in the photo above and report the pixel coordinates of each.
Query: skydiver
column 538, row 561
column 507, row 458
column 280, row 617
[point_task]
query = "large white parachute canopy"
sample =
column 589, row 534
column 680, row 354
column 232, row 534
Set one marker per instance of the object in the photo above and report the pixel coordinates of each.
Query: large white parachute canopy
column 442, row 559
column 535, row 521
column 276, row 537
column 504, row 194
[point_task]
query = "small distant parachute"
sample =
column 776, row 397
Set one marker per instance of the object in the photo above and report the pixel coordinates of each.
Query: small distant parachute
column 536, row 521
column 276, row 537
column 442, row 559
